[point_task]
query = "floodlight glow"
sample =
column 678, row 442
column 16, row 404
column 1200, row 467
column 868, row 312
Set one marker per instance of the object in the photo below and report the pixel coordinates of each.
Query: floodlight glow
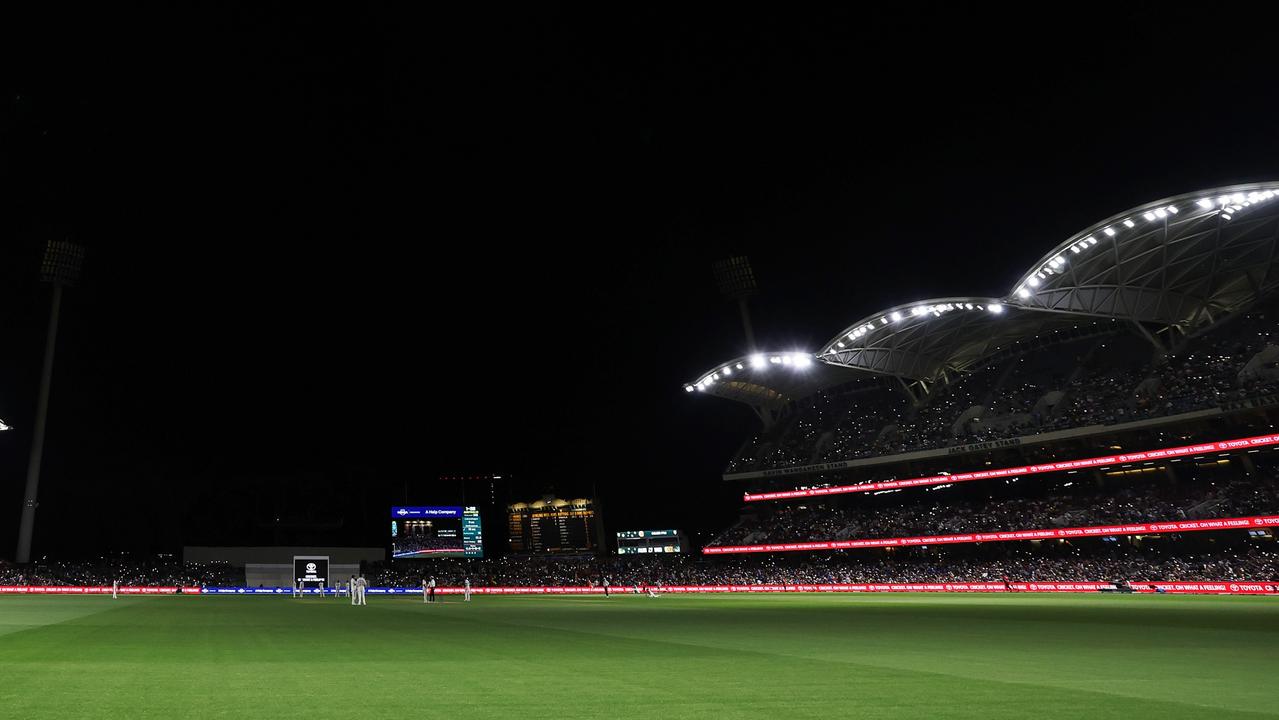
column 1074, row 249
column 1205, row 203
column 5, row 426
column 1129, row 223
column 786, row 359
column 840, row 344
column 802, row 360
column 727, row 371
column 739, row 366
column 1109, row 232
column 1022, row 292
column 688, row 388
column 1237, row 198
column 701, row 387
column 1150, row 217
column 996, row 308
column 775, row 360
column 1054, row 262
column 896, row 316
column 1034, row 281
column 1160, row 213
column 1172, row 209
column 757, row 361
column 1226, row 215
column 883, row 321
column 1090, row 240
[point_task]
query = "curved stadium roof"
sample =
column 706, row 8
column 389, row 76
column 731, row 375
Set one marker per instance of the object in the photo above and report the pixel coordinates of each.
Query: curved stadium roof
column 1180, row 263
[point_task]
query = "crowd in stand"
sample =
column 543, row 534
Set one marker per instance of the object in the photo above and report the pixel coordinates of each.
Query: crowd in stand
column 103, row 572
column 623, row 574
column 757, row 570
column 841, row 425
column 1068, row 506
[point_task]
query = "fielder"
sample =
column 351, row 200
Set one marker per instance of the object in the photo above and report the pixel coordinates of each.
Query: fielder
column 115, row 589
column 466, row 590
column 362, row 586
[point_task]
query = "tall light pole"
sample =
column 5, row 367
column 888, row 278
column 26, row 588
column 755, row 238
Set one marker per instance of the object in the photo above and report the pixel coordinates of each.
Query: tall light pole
column 736, row 281
column 61, row 267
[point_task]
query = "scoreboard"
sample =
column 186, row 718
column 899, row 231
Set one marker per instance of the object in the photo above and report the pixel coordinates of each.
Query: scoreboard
column 551, row 526
column 637, row 542
column 436, row 531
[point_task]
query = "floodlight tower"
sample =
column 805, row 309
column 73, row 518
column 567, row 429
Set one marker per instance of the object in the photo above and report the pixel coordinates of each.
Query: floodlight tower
column 736, row 281
column 61, row 267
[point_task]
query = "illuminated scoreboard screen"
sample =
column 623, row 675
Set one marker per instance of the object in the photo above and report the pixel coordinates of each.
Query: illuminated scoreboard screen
column 551, row 526
column 637, row 542
column 436, row 531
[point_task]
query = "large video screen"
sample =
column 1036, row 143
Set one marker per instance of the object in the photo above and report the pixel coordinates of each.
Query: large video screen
column 436, row 531
column 551, row 525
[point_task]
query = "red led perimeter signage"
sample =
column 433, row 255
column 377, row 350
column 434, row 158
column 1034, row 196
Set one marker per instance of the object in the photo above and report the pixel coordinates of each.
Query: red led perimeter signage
column 1094, row 462
column 1213, row 587
column 1260, row 521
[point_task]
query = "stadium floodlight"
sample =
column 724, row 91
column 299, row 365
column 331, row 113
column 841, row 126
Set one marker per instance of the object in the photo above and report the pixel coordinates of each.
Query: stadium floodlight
column 802, row 360
column 739, row 366
column 5, row 426
column 688, row 388
column 1226, row 216
column 1161, row 213
column 1172, row 209
column 727, row 371
column 1109, row 232
column 60, row 267
column 1022, row 292
column 1129, row 223
column 1150, row 217
column 1205, row 203
column 996, row 308
column 757, row 361
column 896, row 316
column 1034, row 281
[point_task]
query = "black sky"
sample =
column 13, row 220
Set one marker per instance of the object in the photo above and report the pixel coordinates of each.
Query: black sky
column 333, row 256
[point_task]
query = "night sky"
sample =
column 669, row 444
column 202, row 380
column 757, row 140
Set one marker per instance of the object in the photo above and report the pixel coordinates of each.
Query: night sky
column 334, row 257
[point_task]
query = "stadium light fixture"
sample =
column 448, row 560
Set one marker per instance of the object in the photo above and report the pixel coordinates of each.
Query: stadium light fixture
column 739, row 366
column 996, row 308
column 1129, row 223
column 5, row 426
column 802, row 360
column 1172, row 209
column 688, row 388
column 727, row 371
column 1034, row 281
column 1205, row 203
column 1109, row 232
column 1161, row 213
column 1022, row 292
column 896, row 316
column 757, row 361
column 1150, row 217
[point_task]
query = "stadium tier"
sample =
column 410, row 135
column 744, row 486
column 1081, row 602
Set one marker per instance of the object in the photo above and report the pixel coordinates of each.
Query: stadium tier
column 1120, row 395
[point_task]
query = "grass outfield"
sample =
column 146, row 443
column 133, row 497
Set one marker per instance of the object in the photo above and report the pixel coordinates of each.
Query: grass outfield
column 710, row 656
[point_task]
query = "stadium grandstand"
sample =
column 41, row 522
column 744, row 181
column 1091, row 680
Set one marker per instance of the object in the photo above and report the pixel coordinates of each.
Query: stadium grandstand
column 1153, row 328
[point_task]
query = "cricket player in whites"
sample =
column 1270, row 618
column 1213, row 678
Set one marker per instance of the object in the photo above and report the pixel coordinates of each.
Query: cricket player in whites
column 350, row 589
column 361, row 585
column 466, row 590
column 115, row 589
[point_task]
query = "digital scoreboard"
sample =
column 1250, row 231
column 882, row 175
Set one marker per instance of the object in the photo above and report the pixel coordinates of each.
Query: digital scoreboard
column 551, row 525
column 639, row 542
column 436, row 531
